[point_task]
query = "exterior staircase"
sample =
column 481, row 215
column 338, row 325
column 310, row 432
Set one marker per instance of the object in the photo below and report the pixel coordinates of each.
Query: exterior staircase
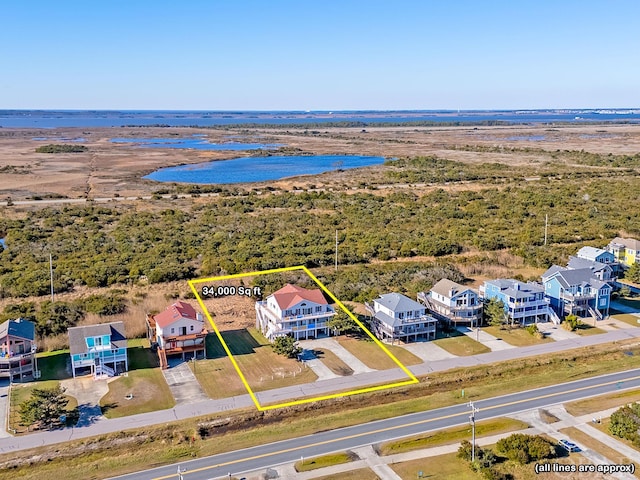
column 595, row 313
column 102, row 370
column 554, row 317
column 162, row 356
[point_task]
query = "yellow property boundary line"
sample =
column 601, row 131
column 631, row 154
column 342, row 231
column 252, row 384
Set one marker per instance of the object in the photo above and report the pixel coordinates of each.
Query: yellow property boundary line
column 412, row 378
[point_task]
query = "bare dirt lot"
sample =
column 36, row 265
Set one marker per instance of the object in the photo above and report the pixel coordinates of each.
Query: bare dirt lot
column 110, row 169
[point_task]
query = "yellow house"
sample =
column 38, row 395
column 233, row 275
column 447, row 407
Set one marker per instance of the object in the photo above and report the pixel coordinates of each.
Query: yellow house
column 626, row 250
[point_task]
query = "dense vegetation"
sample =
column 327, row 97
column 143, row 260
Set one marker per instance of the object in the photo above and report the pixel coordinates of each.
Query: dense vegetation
column 232, row 233
column 53, row 318
column 625, row 423
column 61, row 148
column 45, row 408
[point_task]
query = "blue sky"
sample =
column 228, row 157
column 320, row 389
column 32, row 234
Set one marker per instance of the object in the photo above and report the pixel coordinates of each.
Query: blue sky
column 319, row 55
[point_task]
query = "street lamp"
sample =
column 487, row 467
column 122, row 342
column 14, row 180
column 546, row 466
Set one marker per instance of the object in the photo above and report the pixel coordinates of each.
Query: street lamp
column 472, row 420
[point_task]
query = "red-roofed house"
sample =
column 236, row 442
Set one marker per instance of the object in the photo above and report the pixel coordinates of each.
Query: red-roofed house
column 179, row 330
column 296, row 311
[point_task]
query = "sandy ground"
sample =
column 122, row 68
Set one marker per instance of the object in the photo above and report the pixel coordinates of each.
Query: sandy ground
column 109, row 169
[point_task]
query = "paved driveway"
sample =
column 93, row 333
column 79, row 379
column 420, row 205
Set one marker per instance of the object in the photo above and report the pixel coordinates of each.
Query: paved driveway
column 342, row 353
column 4, row 404
column 556, row 332
column 183, row 383
column 320, row 369
column 427, row 351
column 489, row 341
column 88, row 393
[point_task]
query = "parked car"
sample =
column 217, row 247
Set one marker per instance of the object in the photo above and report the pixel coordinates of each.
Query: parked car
column 569, row 446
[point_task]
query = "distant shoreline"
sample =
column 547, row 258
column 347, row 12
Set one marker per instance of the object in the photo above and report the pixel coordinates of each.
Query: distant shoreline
column 364, row 118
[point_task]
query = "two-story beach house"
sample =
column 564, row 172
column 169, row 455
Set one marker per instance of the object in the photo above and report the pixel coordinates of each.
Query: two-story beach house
column 98, row 349
column 178, row 330
column 625, row 250
column 397, row 317
column 295, row 311
column 577, row 292
column 451, row 302
column 524, row 303
column 601, row 256
column 17, row 349
column 602, row 271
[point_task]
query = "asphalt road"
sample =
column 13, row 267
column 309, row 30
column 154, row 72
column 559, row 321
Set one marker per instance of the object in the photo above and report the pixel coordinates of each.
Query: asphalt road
column 273, row 454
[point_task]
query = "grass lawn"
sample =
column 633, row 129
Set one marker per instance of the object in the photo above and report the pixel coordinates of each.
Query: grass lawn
column 325, row 461
column 631, row 302
column 54, row 365
column 591, row 443
column 148, row 387
column 262, row 368
column 333, row 363
column 21, row 392
column 445, row 467
column 373, row 356
column 602, row 402
column 451, row 435
column 584, row 330
column 632, row 320
column 140, row 355
column 359, row 474
column 459, row 344
column 517, row 337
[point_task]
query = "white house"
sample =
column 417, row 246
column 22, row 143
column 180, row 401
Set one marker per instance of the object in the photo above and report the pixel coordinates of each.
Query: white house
column 178, row 330
column 98, row 349
column 453, row 303
column 397, row 317
column 295, row 311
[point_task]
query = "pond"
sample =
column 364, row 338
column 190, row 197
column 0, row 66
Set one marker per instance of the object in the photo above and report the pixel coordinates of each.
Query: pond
column 260, row 169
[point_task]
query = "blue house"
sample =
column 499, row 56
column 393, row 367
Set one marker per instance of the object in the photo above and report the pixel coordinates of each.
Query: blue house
column 524, row 303
column 601, row 271
column 577, row 292
column 596, row 255
column 98, row 349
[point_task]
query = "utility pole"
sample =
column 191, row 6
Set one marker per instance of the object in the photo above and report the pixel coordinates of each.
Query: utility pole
column 472, row 420
column 336, row 250
column 51, row 275
column 546, row 225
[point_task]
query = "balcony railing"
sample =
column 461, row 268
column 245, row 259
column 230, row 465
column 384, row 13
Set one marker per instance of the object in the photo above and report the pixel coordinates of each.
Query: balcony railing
column 577, row 296
column 293, row 318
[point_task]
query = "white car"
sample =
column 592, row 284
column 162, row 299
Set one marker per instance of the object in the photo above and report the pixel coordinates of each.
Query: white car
column 569, row 446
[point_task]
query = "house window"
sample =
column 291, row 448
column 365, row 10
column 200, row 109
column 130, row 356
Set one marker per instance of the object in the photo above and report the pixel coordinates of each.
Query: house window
column 319, row 309
column 191, row 328
column 401, row 315
column 173, row 330
column 97, row 341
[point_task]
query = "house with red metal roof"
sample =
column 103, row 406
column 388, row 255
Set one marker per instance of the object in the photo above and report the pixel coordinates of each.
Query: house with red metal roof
column 178, row 330
column 295, row 311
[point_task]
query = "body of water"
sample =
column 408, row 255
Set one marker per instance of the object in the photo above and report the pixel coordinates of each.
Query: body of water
column 196, row 142
column 102, row 118
column 259, row 169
